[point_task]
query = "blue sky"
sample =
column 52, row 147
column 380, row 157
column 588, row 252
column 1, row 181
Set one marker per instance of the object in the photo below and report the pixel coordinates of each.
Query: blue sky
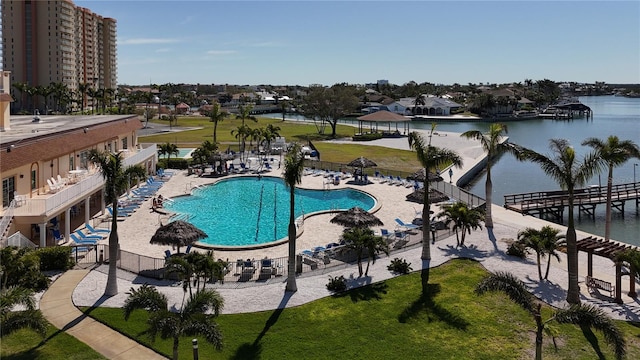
column 326, row 42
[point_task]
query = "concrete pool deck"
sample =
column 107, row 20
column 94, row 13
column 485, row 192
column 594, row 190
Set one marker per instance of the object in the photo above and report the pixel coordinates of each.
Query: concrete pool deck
column 136, row 231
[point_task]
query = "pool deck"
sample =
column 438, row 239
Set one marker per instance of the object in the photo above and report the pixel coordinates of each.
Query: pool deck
column 136, row 230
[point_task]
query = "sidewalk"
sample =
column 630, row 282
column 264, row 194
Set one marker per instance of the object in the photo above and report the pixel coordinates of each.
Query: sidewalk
column 58, row 308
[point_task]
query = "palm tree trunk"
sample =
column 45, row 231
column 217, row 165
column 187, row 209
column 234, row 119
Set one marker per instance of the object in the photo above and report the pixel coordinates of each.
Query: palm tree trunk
column 539, row 332
column 291, row 276
column 607, row 223
column 360, row 263
column 488, row 190
column 573, row 292
column 426, row 244
column 176, row 342
column 539, row 267
column 546, row 274
column 112, row 277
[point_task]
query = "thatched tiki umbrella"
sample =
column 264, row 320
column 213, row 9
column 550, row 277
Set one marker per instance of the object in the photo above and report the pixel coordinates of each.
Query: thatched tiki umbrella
column 434, row 196
column 420, row 176
column 177, row 233
column 362, row 162
column 356, row 217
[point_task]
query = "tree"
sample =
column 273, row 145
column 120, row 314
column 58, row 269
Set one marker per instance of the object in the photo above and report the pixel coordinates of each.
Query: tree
column 22, row 87
column 632, row 257
column 614, row 153
column 244, row 112
column 241, row 133
column 569, row 173
column 363, row 238
column 216, row 116
column 464, row 219
column 168, row 149
column 492, row 144
column 293, row 166
column 328, row 105
column 582, row 315
column 419, row 100
column 12, row 321
column 83, row 88
column 269, row 133
column 191, row 320
column 545, row 241
column 430, row 157
column 117, row 180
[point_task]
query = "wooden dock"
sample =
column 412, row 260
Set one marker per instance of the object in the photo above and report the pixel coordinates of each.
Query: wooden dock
column 552, row 203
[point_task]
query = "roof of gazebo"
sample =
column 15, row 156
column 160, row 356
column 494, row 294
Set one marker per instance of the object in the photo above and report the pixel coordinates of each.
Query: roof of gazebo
column 601, row 247
column 384, row 116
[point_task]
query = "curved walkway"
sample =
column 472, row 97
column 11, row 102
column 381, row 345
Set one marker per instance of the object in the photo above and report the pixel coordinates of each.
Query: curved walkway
column 58, row 308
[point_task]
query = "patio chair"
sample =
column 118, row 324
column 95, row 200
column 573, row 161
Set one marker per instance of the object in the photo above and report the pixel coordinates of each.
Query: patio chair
column 84, row 236
column 167, row 254
column 407, row 226
column 57, row 237
column 94, row 230
column 266, row 269
column 80, row 241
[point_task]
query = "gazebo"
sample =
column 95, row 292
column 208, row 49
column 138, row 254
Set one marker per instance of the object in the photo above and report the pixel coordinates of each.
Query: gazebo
column 608, row 249
column 382, row 117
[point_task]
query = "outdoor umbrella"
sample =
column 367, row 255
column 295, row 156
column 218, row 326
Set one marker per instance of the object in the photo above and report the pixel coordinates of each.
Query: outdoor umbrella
column 356, row 217
column 361, row 163
column 419, row 176
column 434, row 196
column 177, row 233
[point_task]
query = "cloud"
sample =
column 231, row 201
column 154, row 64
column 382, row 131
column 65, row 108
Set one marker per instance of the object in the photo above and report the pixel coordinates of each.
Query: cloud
column 146, row 41
column 221, row 52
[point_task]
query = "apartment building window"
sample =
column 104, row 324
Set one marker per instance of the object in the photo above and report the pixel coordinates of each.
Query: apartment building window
column 124, row 143
column 8, row 187
column 34, row 181
column 84, row 160
column 71, row 159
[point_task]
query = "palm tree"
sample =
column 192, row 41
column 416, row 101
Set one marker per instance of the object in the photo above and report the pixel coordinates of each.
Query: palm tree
column 430, row 157
column 269, row 133
column 83, row 88
column 241, row 133
column 569, row 173
column 168, row 149
column 361, row 238
column 492, row 144
column 22, row 87
column 216, row 116
column 12, row 321
column 245, row 113
column 464, row 219
column 530, row 239
column 191, row 320
column 293, row 166
column 419, row 100
column 632, row 257
column 117, row 180
column 581, row 315
column 614, row 153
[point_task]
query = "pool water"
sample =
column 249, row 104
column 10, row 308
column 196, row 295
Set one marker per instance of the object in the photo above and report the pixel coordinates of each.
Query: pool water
column 184, row 153
column 247, row 211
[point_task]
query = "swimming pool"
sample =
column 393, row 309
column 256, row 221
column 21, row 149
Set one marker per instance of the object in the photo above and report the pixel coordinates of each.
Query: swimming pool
column 250, row 211
column 185, row 153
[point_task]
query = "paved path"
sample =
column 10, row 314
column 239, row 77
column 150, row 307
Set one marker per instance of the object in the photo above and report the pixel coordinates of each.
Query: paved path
column 59, row 310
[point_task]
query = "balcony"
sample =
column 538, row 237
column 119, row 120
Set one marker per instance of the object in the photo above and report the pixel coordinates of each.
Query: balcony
column 47, row 205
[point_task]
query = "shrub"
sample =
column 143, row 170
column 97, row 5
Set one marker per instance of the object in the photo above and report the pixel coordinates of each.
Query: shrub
column 367, row 137
column 337, row 284
column 399, row 266
column 517, row 249
column 55, row 258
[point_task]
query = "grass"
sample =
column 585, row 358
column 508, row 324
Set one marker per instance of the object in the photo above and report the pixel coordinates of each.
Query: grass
column 389, row 320
column 290, row 130
column 26, row 345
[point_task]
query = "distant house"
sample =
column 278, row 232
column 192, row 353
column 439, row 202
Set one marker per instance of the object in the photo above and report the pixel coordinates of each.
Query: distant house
column 433, row 106
column 182, row 109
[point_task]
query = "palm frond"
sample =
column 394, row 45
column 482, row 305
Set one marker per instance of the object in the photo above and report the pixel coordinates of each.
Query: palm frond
column 205, row 326
column 31, row 319
column 144, row 298
column 510, row 285
column 591, row 316
column 202, row 301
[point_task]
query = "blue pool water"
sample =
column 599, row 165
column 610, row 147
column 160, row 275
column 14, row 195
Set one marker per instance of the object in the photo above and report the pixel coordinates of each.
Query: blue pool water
column 184, row 152
column 248, row 211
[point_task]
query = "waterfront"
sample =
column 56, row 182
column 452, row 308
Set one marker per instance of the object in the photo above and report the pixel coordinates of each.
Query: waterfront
column 613, row 115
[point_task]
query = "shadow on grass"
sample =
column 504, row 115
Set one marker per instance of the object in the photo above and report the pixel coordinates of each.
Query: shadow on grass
column 254, row 350
column 425, row 305
column 593, row 340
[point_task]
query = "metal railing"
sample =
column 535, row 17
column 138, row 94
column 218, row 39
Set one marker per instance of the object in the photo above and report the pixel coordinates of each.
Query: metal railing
column 17, row 240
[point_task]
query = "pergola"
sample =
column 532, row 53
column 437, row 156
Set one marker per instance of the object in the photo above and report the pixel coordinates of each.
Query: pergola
column 382, row 117
column 608, row 249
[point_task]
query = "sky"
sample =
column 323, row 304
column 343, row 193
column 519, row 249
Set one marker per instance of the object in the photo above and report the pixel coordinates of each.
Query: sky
column 327, row 42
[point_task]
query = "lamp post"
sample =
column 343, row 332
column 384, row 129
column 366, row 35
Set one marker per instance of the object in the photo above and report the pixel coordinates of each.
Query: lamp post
column 634, row 173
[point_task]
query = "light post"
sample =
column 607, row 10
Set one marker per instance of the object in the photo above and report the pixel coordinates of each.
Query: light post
column 634, row 173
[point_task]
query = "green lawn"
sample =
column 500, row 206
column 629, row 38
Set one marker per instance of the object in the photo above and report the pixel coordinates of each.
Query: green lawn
column 26, row 345
column 389, row 320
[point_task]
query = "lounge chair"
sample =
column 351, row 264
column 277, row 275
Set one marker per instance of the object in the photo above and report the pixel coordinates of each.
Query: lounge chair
column 405, row 225
column 94, row 230
column 79, row 241
column 121, row 213
column 167, row 254
column 266, row 269
column 188, row 250
column 84, row 236
column 52, row 186
column 59, row 239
